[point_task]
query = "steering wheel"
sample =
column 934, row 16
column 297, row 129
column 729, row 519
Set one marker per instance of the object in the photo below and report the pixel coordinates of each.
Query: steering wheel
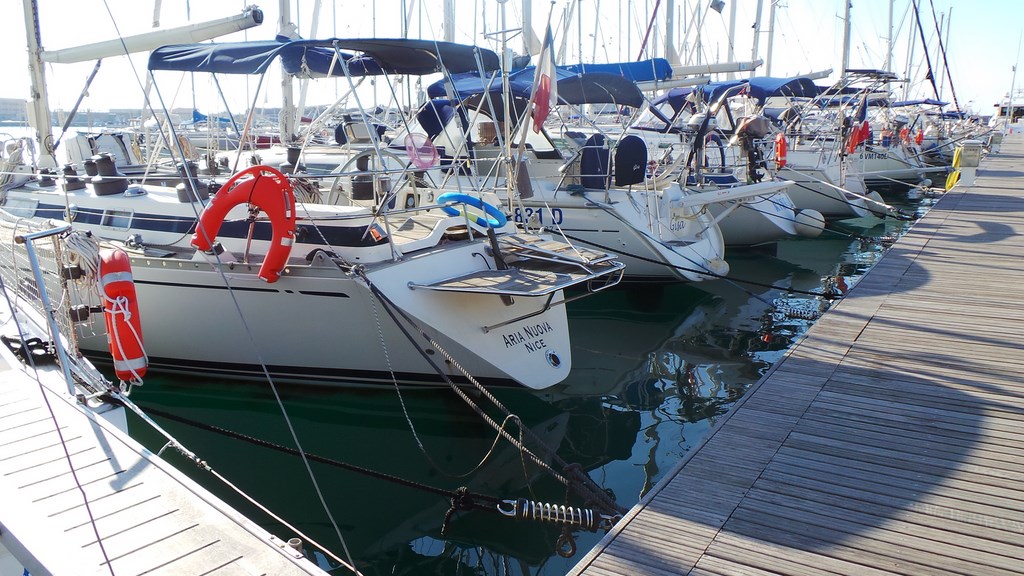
column 368, row 163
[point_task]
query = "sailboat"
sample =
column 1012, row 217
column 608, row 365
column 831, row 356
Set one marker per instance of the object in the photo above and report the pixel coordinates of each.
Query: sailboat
column 597, row 188
column 255, row 283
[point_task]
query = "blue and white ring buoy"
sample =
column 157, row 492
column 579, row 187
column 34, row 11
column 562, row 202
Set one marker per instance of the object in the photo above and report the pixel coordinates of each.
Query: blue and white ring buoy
column 495, row 219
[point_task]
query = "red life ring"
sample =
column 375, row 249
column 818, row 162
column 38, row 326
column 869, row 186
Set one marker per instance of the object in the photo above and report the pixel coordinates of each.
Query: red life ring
column 270, row 191
column 781, row 147
column 121, row 311
column 919, row 137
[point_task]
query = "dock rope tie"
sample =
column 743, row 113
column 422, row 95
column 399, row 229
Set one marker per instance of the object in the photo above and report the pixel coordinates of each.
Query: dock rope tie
column 460, row 499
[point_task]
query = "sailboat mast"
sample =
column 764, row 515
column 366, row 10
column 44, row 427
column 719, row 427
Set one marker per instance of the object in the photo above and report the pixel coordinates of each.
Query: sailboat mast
column 732, row 38
column 771, row 37
column 579, row 35
column 846, row 37
column 449, row 21
column 910, row 60
column 38, row 106
column 286, row 119
column 699, row 45
column 300, row 109
column 531, row 45
column 943, row 47
column 647, row 33
column 671, row 54
column 888, row 48
column 629, row 30
column 757, row 32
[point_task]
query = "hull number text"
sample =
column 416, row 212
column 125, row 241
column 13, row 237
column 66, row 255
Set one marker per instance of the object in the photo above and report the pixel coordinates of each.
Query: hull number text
column 554, row 216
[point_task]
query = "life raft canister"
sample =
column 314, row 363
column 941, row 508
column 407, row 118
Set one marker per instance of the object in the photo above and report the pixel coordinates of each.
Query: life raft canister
column 270, row 191
column 781, row 147
column 121, row 311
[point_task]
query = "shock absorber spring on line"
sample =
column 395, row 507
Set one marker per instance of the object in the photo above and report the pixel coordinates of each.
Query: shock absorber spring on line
column 585, row 518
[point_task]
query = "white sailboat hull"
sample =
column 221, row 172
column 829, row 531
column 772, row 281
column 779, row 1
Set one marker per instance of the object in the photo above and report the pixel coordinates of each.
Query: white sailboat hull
column 761, row 220
column 653, row 239
column 320, row 325
column 819, row 185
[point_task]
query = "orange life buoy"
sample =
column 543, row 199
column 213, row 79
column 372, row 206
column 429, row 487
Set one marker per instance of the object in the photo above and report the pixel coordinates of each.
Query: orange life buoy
column 904, row 135
column 121, row 311
column 781, row 147
column 270, row 191
column 919, row 137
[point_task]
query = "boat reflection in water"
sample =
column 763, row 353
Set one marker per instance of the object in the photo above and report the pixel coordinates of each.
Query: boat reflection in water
column 377, row 430
column 654, row 368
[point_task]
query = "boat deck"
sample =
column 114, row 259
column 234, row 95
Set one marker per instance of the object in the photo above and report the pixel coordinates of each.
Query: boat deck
column 417, row 226
column 152, row 519
column 889, row 440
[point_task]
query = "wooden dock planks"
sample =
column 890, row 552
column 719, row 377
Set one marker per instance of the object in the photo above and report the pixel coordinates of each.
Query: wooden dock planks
column 152, row 519
column 889, row 440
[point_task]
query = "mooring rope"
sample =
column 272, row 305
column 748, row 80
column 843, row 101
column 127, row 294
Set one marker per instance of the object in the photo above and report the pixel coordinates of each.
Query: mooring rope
column 590, row 492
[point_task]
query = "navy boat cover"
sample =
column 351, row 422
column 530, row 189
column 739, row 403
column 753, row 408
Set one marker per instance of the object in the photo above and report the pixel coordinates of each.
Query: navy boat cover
column 573, row 87
column 316, row 58
column 765, row 87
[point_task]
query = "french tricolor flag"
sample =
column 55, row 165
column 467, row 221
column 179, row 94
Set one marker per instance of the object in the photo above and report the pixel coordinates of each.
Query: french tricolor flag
column 546, row 94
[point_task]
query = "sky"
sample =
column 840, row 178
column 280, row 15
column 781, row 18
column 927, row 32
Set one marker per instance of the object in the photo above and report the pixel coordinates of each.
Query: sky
column 982, row 40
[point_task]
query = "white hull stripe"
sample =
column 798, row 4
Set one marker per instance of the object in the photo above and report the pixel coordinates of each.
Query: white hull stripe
column 130, row 363
column 112, row 277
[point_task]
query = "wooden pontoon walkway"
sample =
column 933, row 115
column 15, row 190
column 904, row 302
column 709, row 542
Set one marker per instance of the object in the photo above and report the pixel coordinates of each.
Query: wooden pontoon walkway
column 153, row 519
column 890, row 440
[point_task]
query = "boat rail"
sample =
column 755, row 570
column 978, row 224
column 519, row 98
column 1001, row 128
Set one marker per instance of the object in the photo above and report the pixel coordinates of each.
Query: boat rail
column 543, row 268
column 36, row 271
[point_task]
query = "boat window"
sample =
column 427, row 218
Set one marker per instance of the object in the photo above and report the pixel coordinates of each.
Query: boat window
column 117, row 218
column 21, row 207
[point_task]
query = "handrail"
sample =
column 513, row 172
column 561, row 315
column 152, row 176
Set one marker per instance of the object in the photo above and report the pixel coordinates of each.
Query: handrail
column 51, row 317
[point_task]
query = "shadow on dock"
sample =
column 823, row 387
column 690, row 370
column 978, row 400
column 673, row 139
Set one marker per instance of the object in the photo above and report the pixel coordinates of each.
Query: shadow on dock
column 888, row 441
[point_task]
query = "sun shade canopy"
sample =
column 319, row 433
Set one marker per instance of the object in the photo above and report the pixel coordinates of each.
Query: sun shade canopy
column 573, row 88
column 765, row 87
column 316, row 58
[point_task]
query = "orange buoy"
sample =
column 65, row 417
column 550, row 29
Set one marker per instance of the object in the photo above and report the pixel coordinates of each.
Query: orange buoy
column 904, row 135
column 121, row 311
column 781, row 148
column 919, row 137
column 270, row 191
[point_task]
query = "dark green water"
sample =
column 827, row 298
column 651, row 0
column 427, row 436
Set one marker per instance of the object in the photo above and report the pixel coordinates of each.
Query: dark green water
column 654, row 367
